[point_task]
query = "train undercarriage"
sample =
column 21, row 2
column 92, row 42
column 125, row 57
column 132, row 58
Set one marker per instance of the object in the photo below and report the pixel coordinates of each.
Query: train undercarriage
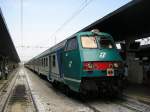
column 102, row 85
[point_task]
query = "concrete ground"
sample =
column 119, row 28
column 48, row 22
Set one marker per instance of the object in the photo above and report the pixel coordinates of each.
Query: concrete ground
column 49, row 99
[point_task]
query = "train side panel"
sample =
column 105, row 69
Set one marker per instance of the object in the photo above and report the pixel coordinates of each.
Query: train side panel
column 71, row 64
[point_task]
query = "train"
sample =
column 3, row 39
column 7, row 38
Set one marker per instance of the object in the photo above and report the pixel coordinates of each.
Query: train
column 84, row 62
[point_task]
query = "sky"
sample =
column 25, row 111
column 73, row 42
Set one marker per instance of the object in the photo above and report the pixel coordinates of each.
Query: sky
column 40, row 24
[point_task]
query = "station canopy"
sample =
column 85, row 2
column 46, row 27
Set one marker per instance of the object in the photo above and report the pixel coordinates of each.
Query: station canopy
column 7, row 48
column 131, row 21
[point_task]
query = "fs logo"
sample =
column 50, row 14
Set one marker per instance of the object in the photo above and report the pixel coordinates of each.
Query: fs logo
column 102, row 55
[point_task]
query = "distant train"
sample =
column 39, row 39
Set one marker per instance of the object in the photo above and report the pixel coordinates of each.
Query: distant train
column 86, row 61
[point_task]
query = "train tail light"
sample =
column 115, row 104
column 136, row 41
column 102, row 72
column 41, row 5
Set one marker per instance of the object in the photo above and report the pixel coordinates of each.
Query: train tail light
column 103, row 65
column 89, row 66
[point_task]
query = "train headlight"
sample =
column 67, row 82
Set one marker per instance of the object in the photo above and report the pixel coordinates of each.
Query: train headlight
column 88, row 66
column 116, row 65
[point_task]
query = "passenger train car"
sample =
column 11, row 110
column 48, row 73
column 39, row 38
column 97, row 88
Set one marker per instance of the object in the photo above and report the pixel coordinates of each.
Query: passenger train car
column 86, row 61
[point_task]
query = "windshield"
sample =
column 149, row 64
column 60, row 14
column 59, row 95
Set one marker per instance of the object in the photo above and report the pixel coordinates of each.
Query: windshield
column 106, row 43
column 89, row 42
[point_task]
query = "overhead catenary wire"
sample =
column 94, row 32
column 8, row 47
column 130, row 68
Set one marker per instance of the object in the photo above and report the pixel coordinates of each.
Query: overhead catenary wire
column 75, row 14
column 85, row 4
column 21, row 23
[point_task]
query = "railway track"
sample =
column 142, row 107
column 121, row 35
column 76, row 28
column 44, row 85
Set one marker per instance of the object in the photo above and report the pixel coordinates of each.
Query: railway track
column 17, row 96
column 134, row 105
column 5, row 92
column 120, row 104
column 117, row 105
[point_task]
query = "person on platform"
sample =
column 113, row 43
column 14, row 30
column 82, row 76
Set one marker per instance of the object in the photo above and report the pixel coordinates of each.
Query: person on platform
column 6, row 72
column 125, row 75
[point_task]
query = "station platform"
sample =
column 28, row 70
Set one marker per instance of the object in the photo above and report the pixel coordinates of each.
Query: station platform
column 10, row 75
column 138, row 92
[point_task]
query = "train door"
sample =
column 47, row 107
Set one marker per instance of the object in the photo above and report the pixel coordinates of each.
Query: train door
column 49, row 64
column 54, row 66
column 71, row 60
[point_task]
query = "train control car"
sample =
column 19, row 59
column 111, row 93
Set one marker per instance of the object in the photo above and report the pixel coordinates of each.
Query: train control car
column 86, row 61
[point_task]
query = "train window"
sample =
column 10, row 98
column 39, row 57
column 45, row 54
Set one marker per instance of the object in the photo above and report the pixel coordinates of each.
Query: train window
column 71, row 44
column 54, row 61
column 42, row 61
column 46, row 62
column 106, row 43
column 39, row 62
column 88, row 42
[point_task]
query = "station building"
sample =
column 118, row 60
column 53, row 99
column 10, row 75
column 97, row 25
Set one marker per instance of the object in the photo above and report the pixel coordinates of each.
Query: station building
column 8, row 53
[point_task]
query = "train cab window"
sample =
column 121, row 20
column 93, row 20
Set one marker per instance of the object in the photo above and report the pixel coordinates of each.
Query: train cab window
column 89, row 42
column 71, row 44
column 106, row 43
column 54, row 60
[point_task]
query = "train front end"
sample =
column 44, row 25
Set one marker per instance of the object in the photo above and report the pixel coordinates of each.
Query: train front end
column 102, row 67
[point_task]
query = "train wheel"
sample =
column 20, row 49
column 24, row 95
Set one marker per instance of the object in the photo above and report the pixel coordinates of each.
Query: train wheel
column 55, row 84
column 67, row 91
